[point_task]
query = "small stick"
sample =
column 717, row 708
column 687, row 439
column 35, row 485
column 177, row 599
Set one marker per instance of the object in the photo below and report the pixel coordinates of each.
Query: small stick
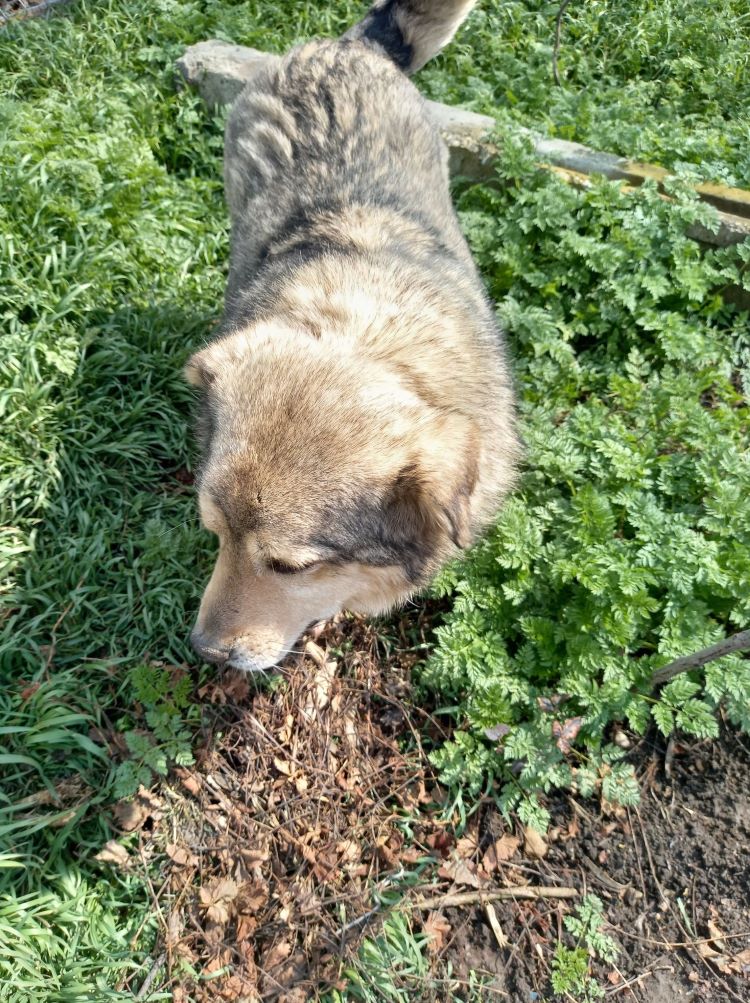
column 556, row 50
column 631, row 982
column 495, row 895
column 502, row 940
column 149, row 980
column 737, row 642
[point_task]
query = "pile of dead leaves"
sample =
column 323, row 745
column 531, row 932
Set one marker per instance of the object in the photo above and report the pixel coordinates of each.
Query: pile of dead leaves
column 279, row 841
column 276, row 848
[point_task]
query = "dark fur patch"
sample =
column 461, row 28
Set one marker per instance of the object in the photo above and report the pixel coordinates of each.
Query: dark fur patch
column 380, row 28
column 392, row 530
column 205, row 425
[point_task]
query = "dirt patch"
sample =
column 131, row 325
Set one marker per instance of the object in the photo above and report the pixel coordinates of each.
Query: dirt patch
column 281, row 846
column 673, row 875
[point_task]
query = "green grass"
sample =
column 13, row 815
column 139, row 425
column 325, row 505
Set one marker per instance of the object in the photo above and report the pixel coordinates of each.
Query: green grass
column 396, row 966
column 666, row 81
column 113, row 243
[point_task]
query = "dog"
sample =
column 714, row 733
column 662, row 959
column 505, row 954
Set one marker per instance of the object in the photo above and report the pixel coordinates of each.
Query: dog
column 357, row 419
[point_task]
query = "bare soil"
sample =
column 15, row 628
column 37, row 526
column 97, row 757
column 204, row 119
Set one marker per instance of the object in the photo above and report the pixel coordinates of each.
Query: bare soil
column 674, row 875
column 282, row 847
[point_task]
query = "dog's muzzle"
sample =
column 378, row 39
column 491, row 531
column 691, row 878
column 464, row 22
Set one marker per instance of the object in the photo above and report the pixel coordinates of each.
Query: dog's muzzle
column 232, row 658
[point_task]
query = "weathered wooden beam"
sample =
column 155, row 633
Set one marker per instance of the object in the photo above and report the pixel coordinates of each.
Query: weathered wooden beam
column 220, row 71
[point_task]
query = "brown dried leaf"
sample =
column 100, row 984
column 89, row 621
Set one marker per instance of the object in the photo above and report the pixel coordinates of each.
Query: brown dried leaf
column 349, row 850
column 499, row 852
column 345, row 780
column 740, row 963
column 573, row 829
column 216, row 898
column 534, row 844
column 437, row 928
column 295, row 996
column 506, row 847
column 214, row 933
column 278, row 953
column 497, row 731
column 285, row 733
column 301, row 784
column 132, row 815
column 246, row 927
column 253, row 857
column 502, row 940
column 175, row 926
column 114, row 853
column 217, row 963
column 709, row 954
column 283, row 767
column 236, row 686
column 28, row 691
column 488, row 862
column 324, row 679
column 440, row 841
column 181, row 855
column 716, row 935
column 466, row 847
column 61, row 820
column 252, row 896
column 315, row 652
column 461, row 872
column 287, row 973
column 566, row 732
column 190, row 781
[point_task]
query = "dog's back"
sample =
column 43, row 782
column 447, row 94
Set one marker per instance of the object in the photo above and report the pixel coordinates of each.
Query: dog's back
column 334, row 124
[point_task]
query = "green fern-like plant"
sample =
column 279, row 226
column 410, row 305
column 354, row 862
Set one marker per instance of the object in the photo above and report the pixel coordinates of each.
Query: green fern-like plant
column 168, row 713
column 628, row 543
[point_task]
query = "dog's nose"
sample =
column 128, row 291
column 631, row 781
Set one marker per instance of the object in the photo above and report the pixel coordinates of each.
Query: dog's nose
column 207, row 651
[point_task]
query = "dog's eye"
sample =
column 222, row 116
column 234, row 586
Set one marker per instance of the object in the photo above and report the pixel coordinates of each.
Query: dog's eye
column 280, row 568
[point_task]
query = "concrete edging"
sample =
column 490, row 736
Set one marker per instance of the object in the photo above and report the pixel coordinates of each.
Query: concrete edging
column 220, row 70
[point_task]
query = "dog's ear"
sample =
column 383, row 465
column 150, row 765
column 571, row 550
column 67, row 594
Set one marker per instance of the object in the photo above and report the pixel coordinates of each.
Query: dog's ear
column 430, row 499
column 406, row 509
column 198, row 370
column 457, row 509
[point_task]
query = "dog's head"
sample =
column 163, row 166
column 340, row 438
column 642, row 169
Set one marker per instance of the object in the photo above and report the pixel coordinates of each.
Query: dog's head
column 329, row 482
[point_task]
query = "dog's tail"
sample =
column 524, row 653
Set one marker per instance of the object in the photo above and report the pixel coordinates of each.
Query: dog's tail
column 411, row 31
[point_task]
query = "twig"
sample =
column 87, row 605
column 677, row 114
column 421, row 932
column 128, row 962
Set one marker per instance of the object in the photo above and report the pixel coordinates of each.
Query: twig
column 737, row 642
column 603, row 878
column 494, row 895
column 556, row 50
column 52, row 647
column 338, row 938
column 149, row 980
column 670, row 945
column 616, row 990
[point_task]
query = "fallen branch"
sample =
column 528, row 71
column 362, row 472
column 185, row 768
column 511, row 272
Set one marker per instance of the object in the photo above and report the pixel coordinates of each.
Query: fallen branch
column 221, row 71
column 494, row 895
column 737, row 642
